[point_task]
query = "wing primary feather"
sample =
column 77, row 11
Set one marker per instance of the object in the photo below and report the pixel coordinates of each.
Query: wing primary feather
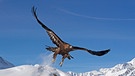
column 55, row 39
column 97, row 53
column 35, row 15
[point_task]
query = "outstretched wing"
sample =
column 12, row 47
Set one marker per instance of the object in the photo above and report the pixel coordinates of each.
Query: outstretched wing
column 98, row 53
column 55, row 39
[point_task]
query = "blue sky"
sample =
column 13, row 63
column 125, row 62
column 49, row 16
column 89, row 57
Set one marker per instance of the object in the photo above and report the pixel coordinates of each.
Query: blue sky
column 93, row 24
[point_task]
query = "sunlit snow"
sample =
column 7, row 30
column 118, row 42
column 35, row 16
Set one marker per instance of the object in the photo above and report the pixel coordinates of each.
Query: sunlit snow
column 45, row 69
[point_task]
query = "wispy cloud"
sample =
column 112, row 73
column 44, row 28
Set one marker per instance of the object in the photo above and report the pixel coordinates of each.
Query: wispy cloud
column 97, row 18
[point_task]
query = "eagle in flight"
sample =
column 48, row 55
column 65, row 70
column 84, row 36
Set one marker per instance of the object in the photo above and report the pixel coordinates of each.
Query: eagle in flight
column 62, row 47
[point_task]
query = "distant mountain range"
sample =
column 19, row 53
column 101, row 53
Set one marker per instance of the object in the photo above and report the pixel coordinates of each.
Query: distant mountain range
column 5, row 64
column 125, row 69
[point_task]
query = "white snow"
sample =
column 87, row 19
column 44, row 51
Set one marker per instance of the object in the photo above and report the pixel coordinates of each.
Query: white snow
column 125, row 69
column 32, row 70
column 132, row 62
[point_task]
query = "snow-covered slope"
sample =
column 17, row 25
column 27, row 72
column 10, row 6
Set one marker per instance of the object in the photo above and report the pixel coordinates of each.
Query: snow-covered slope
column 126, row 69
column 30, row 70
column 5, row 64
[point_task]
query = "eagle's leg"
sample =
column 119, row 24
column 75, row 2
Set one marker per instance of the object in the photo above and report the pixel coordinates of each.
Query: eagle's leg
column 64, row 56
column 54, row 56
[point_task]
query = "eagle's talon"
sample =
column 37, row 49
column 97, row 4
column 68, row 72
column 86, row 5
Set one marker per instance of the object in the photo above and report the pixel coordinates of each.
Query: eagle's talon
column 53, row 61
column 61, row 64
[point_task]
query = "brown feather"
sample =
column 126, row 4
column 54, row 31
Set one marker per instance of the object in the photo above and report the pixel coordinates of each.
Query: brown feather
column 97, row 53
column 55, row 39
column 62, row 47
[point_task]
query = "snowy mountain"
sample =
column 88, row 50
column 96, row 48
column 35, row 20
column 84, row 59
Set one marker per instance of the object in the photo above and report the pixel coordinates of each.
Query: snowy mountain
column 126, row 69
column 5, row 64
column 30, row 70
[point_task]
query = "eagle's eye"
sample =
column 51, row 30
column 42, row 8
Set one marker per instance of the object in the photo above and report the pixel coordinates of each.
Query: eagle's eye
column 70, row 46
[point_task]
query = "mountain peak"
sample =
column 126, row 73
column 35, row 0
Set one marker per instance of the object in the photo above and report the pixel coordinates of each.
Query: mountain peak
column 5, row 64
column 132, row 62
column 125, row 69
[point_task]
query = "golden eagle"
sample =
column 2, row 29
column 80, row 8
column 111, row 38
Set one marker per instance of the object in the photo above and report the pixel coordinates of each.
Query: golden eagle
column 62, row 47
